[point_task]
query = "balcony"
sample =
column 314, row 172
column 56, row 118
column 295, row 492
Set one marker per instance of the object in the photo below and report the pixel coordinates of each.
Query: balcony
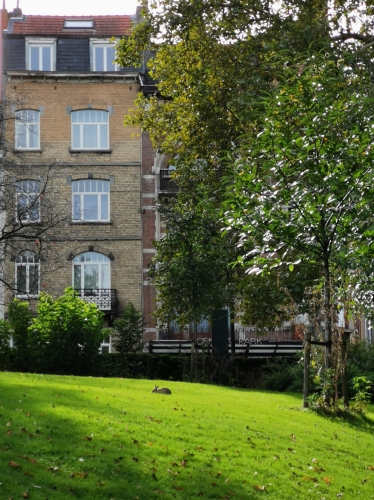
column 105, row 298
column 168, row 187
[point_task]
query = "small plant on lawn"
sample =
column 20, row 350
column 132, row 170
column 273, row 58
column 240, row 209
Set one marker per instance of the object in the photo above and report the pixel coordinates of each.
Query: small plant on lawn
column 362, row 387
column 65, row 336
column 128, row 331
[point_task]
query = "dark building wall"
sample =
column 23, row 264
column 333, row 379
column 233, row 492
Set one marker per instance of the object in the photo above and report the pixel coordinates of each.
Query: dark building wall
column 14, row 54
column 73, row 54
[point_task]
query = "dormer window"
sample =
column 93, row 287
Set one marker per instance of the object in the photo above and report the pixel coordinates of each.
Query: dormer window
column 103, row 53
column 40, row 54
column 79, row 23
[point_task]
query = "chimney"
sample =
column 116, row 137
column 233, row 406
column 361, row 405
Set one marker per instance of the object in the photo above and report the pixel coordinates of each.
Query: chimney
column 3, row 18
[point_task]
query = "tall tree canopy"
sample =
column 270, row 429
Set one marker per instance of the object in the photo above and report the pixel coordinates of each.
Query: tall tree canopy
column 275, row 98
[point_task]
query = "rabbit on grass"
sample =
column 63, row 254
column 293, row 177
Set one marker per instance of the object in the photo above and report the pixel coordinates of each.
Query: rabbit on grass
column 164, row 390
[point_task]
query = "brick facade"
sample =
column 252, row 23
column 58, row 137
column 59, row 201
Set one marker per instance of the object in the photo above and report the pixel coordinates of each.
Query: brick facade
column 56, row 94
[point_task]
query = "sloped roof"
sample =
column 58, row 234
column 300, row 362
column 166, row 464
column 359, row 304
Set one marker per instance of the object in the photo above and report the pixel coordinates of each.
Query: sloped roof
column 54, row 25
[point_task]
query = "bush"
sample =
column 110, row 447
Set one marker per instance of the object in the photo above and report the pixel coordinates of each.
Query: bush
column 65, row 336
column 128, row 331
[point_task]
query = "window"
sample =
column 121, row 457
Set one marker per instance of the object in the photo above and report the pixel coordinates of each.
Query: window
column 27, row 129
column 91, row 271
column 90, row 129
column 78, row 23
column 90, row 200
column 27, row 274
column 28, row 201
column 103, row 54
column 40, row 54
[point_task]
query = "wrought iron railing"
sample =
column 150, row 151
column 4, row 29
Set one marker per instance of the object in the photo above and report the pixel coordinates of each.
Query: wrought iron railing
column 243, row 334
column 104, row 298
column 167, row 185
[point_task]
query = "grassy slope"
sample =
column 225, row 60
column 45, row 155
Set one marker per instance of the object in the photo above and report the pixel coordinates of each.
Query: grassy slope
column 113, row 439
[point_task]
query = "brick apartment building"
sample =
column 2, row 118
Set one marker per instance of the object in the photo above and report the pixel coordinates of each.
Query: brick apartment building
column 66, row 100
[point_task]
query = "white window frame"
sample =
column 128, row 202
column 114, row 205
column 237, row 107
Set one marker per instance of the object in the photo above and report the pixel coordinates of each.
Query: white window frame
column 91, row 259
column 26, row 126
column 41, row 43
column 30, row 262
column 30, row 189
column 104, row 44
column 106, row 345
column 82, row 188
column 81, row 123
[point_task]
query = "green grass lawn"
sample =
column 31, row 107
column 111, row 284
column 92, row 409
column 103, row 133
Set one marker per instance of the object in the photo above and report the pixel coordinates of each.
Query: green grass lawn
column 71, row 437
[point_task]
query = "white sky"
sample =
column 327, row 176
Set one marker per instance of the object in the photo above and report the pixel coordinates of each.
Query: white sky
column 73, row 7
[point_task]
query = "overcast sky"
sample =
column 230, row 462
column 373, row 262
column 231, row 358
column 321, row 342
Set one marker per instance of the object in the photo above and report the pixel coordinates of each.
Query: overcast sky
column 74, row 7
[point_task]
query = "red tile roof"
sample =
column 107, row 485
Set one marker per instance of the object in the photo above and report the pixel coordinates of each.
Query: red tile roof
column 54, row 25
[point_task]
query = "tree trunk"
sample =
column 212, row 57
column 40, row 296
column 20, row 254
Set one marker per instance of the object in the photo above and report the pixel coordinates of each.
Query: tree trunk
column 344, row 346
column 328, row 329
column 232, row 329
column 307, row 345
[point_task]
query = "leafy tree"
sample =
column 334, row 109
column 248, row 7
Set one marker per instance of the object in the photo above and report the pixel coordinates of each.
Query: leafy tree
column 190, row 269
column 301, row 192
column 66, row 334
column 128, row 331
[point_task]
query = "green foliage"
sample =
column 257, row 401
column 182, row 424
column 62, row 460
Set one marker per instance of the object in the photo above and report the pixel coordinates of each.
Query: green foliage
column 66, row 334
column 20, row 317
column 362, row 388
column 128, row 331
column 5, row 350
column 190, row 269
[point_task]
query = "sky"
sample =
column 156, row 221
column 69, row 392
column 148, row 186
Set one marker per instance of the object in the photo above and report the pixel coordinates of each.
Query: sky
column 73, row 7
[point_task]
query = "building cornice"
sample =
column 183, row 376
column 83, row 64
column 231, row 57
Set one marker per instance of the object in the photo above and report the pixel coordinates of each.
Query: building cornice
column 66, row 76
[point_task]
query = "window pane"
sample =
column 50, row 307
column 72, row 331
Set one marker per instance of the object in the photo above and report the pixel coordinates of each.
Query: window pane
column 33, row 136
column 105, row 276
column 34, row 58
column 103, row 136
column 91, row 207
column 75, row 186
column 77, row 277
column 76, row 207
column 33, row 279
column 46, row 59
column 76, row 137
column 99, row 59
column 34, row 209
column 21, row 135
column 89, row 136
column 91, row 276
column 104, row 207
column 110, row 54
column 21, row 279
column 22, row 207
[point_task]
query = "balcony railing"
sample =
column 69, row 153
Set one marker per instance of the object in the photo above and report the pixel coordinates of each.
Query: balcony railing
column 104, row 298
column 167, row 185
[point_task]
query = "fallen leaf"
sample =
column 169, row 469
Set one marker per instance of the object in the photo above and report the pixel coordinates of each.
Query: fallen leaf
column 259, row 488
column 327, row 480
column 135, row 459
column 172, row 473
column 9, row 433
column 25, row 495
column 14, row 464
column 28, row 474
column 178, row 488
column 214, row 484
column 370, row 467
column 79, row 474
column 184, row 463
column 87, row 438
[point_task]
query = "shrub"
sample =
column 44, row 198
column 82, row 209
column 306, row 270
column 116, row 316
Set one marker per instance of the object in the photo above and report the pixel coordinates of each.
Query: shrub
column 128, row 331
column 65, row 336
